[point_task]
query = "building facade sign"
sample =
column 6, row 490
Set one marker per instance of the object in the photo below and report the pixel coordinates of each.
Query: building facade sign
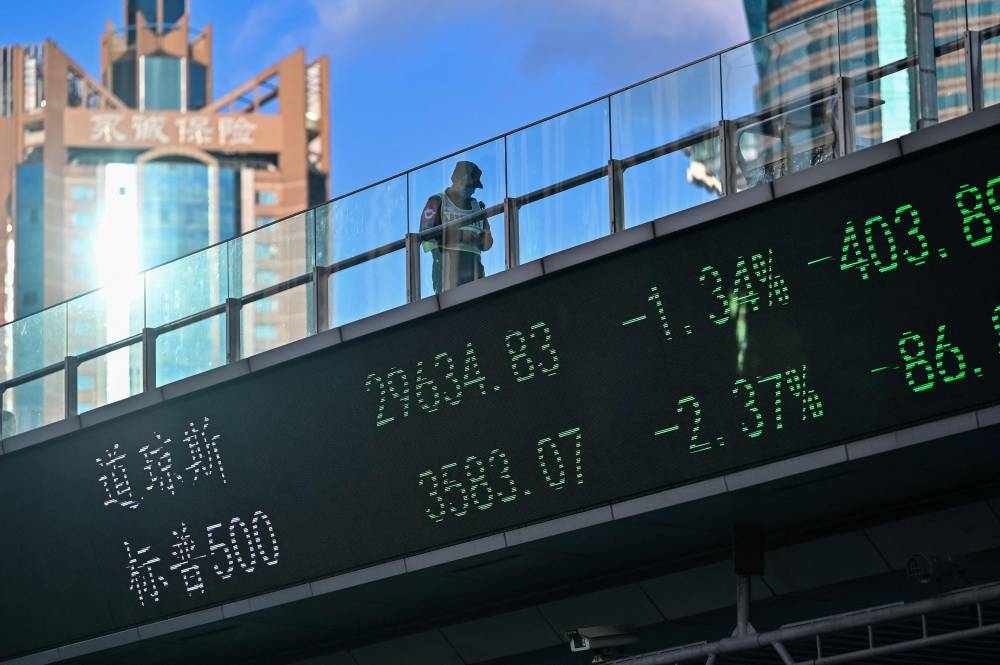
column 144, row 129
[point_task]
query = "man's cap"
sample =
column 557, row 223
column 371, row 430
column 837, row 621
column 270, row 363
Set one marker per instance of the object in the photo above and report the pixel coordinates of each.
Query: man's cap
column 468, row 172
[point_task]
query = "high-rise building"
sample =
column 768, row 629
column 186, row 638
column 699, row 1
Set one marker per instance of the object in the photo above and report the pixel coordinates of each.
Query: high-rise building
column 103, row 177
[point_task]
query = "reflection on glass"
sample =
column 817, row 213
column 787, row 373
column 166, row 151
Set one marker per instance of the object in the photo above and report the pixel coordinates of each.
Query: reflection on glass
column 493, row 260
column 39, row 340
column 564, row 220
column 108, row 378
column 33, row 404
column 364, row 220
column 270, row 255
column 551, row 153
column 187, row 286
column 105, row 316
column 195, row 348
column 984, row 14
column 276, row 320
column 676, row 181
column 656, row 113
column 668, row 108
column 447, row 191
column 768, row 85
column 368, row 288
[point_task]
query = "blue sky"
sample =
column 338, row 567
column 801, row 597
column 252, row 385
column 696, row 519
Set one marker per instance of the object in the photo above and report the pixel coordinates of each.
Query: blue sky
column 413, row 80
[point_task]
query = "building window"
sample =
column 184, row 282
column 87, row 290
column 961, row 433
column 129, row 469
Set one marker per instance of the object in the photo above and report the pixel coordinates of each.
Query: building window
column 264, row 221
column 266, row 278
column 266, row 331
column 266, row 306
column 82, row 218
column 267, row 197
column 162, row 83
column 265, row 250
column 85, row 382
column 81, row 193
column 197, row 86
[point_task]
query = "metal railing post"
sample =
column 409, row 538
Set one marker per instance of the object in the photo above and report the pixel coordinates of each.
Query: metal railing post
column 616, row 186
column 70, row 374
column 727, row 156
column 234, row 309
column 148, row 359
column 974, row 70
column 511, row 228
column 321, row 289
column 412, row 267
column 927, row 94
column 844, row 117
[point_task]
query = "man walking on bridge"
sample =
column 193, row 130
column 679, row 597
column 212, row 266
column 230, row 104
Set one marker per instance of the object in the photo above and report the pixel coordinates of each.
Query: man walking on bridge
column 456, row 245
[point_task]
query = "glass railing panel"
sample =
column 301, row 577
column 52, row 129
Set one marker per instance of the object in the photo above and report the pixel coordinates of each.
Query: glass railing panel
column 657, row 117
column 563, row 153
column 276, row 320
column 265, row 258
column 878, row 54
column 450, row 189
column 38, row 340
column 192, row 349
column 950, row 24
column 186, row 286
column 373, row 286
column 33, row 404
column 362, row 221
column 673, row 182
column 984, row 16
column 106, row 316
column 109, row 378
column 564, row 220
column 270, row 255
column 768, row 87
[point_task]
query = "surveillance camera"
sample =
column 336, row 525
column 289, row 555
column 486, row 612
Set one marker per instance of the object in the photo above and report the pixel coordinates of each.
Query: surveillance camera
column 600, row 638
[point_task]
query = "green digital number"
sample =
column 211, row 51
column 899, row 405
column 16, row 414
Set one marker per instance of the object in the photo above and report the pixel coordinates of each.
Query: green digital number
column 420, row 388
column 455, row 398
column 976, row 224
column 851, row 256
column 709, row 273
column 890, row 260
column 479, row 488
column 550, row 458
column 996, row 324
column 751, row 406
column 908, row 214
column 428, row 478
column 471, row 374
column 380, row 418
column 498, row 456
column 949, row 361
column 452, row 485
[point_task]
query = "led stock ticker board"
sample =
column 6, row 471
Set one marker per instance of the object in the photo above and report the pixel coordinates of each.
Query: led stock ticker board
column 859, row 306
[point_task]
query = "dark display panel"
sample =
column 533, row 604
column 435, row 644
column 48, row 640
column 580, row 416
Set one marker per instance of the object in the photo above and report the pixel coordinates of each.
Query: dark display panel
column 853, row 308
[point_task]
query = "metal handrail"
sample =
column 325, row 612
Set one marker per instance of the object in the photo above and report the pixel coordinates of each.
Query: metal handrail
column 613, row 170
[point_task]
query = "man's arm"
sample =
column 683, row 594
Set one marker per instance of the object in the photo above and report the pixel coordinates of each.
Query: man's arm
column 430, row 218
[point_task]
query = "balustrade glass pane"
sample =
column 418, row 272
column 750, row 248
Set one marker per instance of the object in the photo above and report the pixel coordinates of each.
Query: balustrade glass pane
column 984, row 15
column 38, row 340
column 195, row 348
column 270, row 255
column 363, row 221
column 276, row 320
column 770, row 90
column 453, row 256
column 368, row 288
column 108, row 378
column 673, row 182
column 664, row 172
column 105, row 316
column 187, row 286
column 33, row 404
column 554, row 170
